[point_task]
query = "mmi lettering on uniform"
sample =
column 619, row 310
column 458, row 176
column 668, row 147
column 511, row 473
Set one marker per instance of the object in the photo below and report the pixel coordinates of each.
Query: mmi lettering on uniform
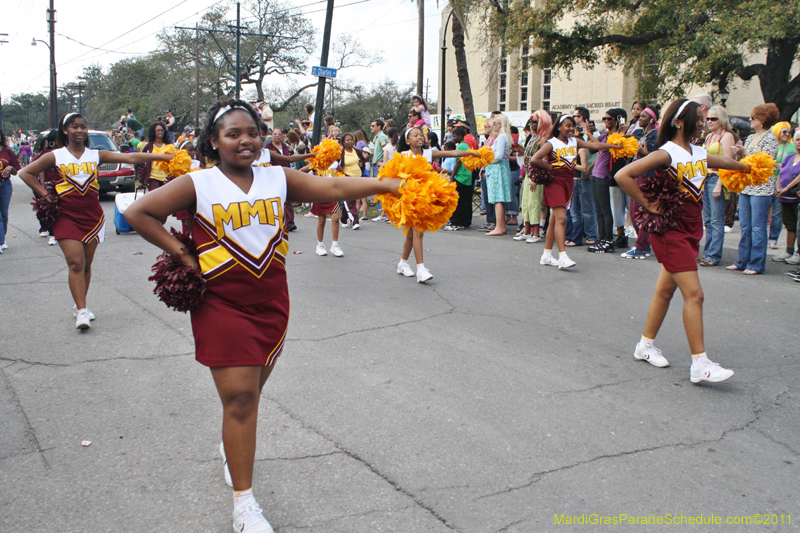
column 691, row 170
column 74, row 169
column 239, row 214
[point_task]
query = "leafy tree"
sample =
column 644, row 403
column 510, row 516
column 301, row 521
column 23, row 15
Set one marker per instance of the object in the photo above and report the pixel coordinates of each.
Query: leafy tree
column 667, row 45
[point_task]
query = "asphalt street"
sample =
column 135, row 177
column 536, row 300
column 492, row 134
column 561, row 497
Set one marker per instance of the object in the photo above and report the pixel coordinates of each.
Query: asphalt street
column 502, row 396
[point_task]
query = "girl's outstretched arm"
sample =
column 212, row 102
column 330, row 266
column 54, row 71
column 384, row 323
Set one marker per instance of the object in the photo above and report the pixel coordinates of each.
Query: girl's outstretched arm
column 137, row 157
column 28, row 173
column 715, row 161
column 310, row 188
column 454, row 153
column 146, row 213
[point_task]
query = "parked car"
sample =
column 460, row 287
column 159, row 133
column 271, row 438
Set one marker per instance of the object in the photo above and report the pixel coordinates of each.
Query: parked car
column 111, row 176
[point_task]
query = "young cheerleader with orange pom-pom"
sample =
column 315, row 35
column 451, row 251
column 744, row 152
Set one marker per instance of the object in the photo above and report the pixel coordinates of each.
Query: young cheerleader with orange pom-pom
column 677, row 247
column 559, row 155
column 411, row 145
column 81, row 224
column 238, row 230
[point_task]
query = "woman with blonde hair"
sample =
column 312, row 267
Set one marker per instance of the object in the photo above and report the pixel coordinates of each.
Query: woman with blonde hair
column 498, row 174
column 783, row 131
column 530, row 206
column 719, row 142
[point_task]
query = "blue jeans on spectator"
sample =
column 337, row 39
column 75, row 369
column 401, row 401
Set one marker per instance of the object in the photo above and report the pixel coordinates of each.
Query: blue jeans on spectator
column 587, row 208
column 512, row 207
column 777, row 221
column 619, row 203
column 713, row 220
column 753, row 214
column 575, row 220
column 5, row 201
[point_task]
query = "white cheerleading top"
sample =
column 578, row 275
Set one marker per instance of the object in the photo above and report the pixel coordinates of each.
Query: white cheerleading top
column 245, row 227
column 264, row 160
column 690, row 170
column 564, row 154
column 77, row 175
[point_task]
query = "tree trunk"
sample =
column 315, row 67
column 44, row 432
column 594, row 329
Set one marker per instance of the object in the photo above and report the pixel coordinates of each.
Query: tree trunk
column 463, row 74
column 421, row 47
column 776, row 82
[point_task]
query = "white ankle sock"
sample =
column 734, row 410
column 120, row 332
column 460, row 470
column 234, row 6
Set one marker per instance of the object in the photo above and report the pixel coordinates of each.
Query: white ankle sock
column 335, row 243
column 562, row 254
column 420, row 265
column 242, row 497
column 320, row 243
column 547, row 253
column 700, row 358
column 646, row 341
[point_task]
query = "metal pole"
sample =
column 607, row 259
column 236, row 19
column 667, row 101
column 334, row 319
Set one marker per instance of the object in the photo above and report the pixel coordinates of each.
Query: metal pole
column 238, row 38
column 326, row 42
column 444, row 59
column 80, row 98
column 196, row 76
column 51, row 19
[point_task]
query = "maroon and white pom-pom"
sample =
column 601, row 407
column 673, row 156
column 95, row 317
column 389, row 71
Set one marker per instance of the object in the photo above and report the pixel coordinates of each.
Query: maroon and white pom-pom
column 177, row 285
column 540, row 176
column 663, row 190
column 47, row 209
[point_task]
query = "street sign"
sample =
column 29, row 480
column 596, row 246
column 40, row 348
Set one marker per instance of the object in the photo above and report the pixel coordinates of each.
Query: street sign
column 323, row 72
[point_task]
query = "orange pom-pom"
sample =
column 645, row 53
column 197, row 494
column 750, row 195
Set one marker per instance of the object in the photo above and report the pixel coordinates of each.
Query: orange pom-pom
column 427, row 199
column 328, row 151
column 630, row 146
column 164, row 165
column 180, row 164
column 474, row 163
column 761, row 170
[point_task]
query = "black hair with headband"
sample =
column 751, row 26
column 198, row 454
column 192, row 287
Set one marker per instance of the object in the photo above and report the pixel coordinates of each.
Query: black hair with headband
column 62, row 139
column 557, row 125
column 684, row 110
column 214, row 121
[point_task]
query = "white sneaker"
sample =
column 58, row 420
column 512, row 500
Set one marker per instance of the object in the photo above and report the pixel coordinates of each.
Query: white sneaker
column 548, row 260
column 405, row 269
column 52, row 241
column 630, row 232
column 3, row 246
column 356, row 225
column 521, row 237
column 565, row 262
column 84, row 320
column 423, row 275
column 651, row 354
column 225, row 469
column 781, row 258
column 321, row 249
column 43, row 234
column 709, row 371
column 345, row 224
column 533, row 238
column 248, row 519
column 75, row 312
column 335, row 250
column 728, row 229
column 794, row 260
column 377, row 219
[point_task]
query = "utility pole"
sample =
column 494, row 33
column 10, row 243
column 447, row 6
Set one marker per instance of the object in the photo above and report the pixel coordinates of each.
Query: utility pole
column 196, row 76
column 238, row 33
column 326, row 44
column 51, row 22
column 2, row 123
column 420, row 44
column 81, row 87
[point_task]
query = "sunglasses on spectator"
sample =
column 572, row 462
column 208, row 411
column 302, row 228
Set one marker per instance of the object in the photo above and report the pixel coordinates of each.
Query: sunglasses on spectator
column 753, row 117
column 712, row 119
column 608, row 118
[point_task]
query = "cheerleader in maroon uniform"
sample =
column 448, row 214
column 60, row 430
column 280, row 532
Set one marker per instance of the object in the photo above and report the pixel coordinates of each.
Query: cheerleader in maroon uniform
column 559, row 155
column 81, row 225
column 238, row 230
column 677, row 248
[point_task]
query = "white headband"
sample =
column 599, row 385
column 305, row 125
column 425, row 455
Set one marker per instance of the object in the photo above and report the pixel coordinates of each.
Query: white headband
column 64, row 120
column 227, row 108
column 409, row 131
column 680, row 110
column 184, row 143
column 562, row 117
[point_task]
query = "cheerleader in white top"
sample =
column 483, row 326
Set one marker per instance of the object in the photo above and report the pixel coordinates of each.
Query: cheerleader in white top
column 559, row 155
column 677, row 248
column 238, row 231
column 81, row 224
column 412, row 144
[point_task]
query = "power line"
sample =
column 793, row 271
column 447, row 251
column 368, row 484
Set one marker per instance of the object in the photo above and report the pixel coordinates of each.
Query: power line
column 96, row 48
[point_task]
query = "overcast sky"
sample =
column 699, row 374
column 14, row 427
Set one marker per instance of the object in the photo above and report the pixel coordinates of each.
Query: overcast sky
column 123, row 30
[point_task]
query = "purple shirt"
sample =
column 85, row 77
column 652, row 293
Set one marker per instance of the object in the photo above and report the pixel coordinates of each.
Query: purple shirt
column 789, row 171
column 602, row 165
